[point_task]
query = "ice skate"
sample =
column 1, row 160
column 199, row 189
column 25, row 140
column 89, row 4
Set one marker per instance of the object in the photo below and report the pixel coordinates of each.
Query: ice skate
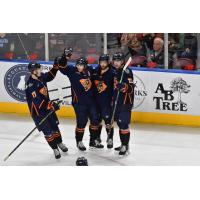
column 109, row 143
column 57, row 153
column 123, row 150
column 117, row 148
column 81, row 146
column 63, row 147
column 94, row 144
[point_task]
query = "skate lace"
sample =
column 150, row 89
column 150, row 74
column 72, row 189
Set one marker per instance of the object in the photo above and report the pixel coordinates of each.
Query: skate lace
column 56, row 152
column 110, row 141
column 62, row 146
column 123, row 148
column 80, row 144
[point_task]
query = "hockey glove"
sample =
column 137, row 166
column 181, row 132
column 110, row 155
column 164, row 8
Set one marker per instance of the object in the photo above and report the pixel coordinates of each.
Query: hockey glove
column 53, row 106
column 68, row 52
column 62, row 61
column 122, row 87
column 56, row 63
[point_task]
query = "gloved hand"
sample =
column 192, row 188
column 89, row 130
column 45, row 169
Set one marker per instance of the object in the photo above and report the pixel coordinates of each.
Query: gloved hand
column 122, row 87
column 53, row 106
column 68, row 52
column 62, row 61
column 56, row 63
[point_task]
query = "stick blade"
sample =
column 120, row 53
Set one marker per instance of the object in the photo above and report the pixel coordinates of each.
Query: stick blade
column 6, row 158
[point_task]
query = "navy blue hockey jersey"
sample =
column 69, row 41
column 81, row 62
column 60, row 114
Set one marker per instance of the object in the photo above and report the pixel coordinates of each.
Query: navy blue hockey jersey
column 103, row 86
column 81, row 85
column 37, row 95
column 126, row 97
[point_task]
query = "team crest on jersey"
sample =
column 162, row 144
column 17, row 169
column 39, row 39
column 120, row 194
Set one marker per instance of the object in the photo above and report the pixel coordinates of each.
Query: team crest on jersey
column 101, row 86
column 86, row 83
column 44, row 91
column 15, row 81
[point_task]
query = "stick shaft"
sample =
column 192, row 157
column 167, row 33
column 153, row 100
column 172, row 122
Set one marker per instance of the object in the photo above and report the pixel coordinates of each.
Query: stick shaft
column 42, row 121
column 53, row 90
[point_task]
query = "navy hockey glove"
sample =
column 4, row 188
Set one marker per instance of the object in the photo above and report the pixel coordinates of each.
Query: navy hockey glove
column 122, row 87
column 53, row 106
column 68, row 52
column 60, row 61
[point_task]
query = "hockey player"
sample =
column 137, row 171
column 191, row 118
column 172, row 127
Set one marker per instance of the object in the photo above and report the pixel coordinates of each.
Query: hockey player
column 82, row 101
column 40, row 105
column 125, row 100
column 103, row 86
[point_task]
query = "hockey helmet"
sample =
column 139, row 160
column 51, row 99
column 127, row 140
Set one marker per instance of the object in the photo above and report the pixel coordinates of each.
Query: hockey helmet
column 82, row 61
column 81, row 161
column 33, row 65
column 118, row 56
column 104, row 57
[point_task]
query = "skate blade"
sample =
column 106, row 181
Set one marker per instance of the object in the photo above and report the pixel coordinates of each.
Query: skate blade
column 95, row 149
column 126, row 154
column 81, row 151
column 109, row 147
column 64, row 151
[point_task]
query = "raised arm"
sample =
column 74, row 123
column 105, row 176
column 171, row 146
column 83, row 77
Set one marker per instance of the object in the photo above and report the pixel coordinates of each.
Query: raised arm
column 51, row 74
column 62, row 61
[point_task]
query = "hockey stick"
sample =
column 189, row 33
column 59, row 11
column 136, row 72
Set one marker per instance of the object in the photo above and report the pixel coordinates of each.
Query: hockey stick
column 25, row 51
column 41, row 122
column 53, row 90
column 117, row 97
column 65, row 97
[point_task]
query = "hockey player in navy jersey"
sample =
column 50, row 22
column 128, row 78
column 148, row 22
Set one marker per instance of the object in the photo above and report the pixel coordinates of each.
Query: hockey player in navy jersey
column 125, row 101
column 40, row 105
column 82, row 100
column 103, row 81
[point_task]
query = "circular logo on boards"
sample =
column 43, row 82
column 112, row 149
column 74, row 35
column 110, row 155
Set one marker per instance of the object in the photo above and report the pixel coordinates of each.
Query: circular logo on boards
column 140, row 92
column 15, row 81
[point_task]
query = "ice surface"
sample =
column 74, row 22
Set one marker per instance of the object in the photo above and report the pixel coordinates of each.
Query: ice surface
column 149, row 145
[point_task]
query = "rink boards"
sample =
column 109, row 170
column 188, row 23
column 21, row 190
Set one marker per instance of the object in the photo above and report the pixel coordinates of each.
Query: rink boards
column 161, row 96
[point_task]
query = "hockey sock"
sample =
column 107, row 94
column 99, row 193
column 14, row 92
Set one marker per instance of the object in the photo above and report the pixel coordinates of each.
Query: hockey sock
column 124, row 136
column 110, row 132
column 51, row 141
column 57, row 138
column 99, row 131
column 79, row 132
column 93, row 132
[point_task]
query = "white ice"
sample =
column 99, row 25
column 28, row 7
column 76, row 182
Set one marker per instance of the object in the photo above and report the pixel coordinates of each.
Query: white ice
column 149, row 145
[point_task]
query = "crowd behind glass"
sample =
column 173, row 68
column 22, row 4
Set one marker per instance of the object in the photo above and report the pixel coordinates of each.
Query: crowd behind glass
column 146, row 49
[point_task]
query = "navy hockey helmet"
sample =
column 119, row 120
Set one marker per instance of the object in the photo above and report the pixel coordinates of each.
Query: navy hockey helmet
column 118, row 56
column 104, row 57
column 81, row 161
column 33, row 65
column 82, row 61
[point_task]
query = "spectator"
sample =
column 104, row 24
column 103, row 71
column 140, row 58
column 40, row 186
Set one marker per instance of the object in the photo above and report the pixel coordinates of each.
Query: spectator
column 175, row 46
column 6, row 46
column 190, row 47
column 134, row 41
column 156, row 56
column 30, row 43
column 148, row 39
